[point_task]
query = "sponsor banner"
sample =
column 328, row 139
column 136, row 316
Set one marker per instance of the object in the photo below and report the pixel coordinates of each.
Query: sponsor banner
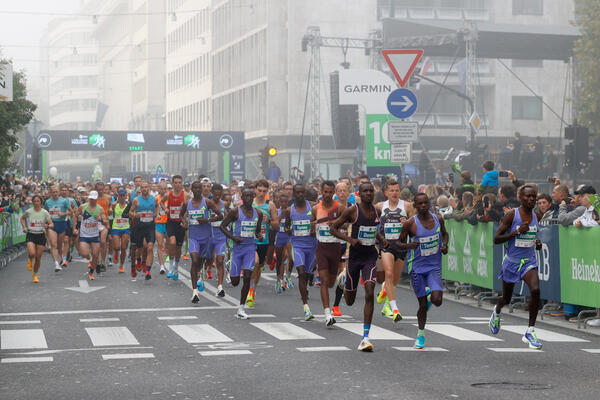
column 470, row 254
column 18, row 236
column 580, row 261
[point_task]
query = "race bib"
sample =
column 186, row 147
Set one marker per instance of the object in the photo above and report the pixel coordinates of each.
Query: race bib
column 216, row 224
column 527, row 239
column 36, row 226
column 247, row 229
column 55, row 212
column 324, row 234
column 392, row 230
column 193, row 216
column 367, row 235
column 282, row 225
column 263, row 229
column 90, row 225
column 121, row 223
column 146, row 216
column 429, row 245
column 174, row 212
column 301, row 227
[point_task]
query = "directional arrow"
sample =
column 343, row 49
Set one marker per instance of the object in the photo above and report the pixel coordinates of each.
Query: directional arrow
column 84, row 287
column 407, row 103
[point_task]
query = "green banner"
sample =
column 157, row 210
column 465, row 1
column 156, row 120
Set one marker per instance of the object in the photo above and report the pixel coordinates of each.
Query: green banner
column 18, row 236
column 580, row 266
column 377, row 143
column 470, row 256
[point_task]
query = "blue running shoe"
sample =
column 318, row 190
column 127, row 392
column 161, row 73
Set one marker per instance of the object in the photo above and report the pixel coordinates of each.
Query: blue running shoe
column 176, row 276
column 308, row 315
column 200, row 284
column 494, row 324
column 278, row 288
column 419, row 342
column 290, row 283
column 169, row 274
column 428, row 294
column 532, row 340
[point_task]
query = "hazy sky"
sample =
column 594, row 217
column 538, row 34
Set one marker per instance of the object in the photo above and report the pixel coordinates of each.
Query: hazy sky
column 24, row 29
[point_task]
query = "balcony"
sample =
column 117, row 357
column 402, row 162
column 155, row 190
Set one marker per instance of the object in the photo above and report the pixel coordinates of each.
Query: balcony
column 443, row 13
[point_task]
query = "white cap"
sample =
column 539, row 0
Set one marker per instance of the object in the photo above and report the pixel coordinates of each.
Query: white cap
column 93, row 195
column 81, row 189
column 241, row 184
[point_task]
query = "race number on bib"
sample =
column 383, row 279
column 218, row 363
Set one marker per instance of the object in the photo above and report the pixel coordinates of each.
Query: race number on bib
column 247, row 229
column 36, row 226
column 366, row 235
column 121, row 223
column 429, row 245
column 301, row 227
column 324, row 234
column 392, row 230
column 146, row 216
column 193, row 216
column 174, row 212
column 526, row 239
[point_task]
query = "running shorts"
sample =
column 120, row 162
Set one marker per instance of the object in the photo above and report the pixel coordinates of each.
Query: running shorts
column 174, row 228
column 261, row 250
column 242, row 258
column 39, row 239
column 513, row 271
column 199, row 246
column 161, row 228
column 218, row 246
column 431, row 279
column 362, row 261
column 143, row 231
column 328, row 257
column 303, row 258
column 60, row 227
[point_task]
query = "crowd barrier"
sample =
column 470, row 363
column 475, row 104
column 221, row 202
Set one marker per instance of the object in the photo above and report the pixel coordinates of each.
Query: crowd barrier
column 568, row 263
column 11, row 237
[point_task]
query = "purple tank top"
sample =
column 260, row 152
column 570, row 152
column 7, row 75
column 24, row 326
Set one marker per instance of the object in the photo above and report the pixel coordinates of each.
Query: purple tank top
column 428, row 256
column 301, row 227
column 245, row 227
column 522, row 246
column 198, row 231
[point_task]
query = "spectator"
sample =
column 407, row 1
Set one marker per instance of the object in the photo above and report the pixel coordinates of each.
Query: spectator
column 406, row 194
column 544, row 203
column 589, row 217
column 516, row 146
column 566, row 217
column 489, row 182
column 443, row 206
column 274, row 172
column 492, row 209
column 508, row 197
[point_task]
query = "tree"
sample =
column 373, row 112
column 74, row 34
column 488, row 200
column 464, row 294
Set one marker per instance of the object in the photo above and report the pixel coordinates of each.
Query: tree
column 14, row 117
column 587, row 61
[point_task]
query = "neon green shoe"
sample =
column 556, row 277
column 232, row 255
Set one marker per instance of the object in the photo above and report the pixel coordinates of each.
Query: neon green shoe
column 386, row 310
column 250, row 299
column 382, row 296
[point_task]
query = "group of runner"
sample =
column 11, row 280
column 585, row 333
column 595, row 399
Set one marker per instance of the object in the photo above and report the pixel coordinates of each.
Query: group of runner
column 330, row 236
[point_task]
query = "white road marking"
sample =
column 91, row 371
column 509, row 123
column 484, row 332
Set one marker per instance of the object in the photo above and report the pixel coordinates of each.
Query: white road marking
column 12, row 360
column 111, row 336
column 475, row 318
column 126, row 356
column 224, row 353
column 462, row 334
column 41, row 352
column 20, row 322
column 268, row 277
column 261, row 315
column 324, row 348
column 418, row 350
column 514, row 350
column 99, row 319
column 543, row 334
column 22, row 339
column 169, row 318
column 376, row 333
column 285, row 331
column 186, row 279
column 199, row 333
column 593, row 351
column 118, row 310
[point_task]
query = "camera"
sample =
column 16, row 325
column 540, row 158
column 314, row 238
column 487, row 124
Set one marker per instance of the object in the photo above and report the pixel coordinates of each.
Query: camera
column 503, row 174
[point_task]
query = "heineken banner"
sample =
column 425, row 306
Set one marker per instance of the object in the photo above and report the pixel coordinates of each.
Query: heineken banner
column 18, row 236
column 580, row 261
column 470, row 254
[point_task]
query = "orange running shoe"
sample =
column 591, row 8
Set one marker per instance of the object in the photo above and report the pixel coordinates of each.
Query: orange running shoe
column 35, row 278
column 121, row 269
column 91, row 276
column 185, row 257
column 116, row 258
column 336, row 311
column 29, row 264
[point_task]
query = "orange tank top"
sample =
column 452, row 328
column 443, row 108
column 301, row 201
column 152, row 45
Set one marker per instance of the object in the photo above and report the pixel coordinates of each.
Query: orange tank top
column 161, row 218
column 104, row 203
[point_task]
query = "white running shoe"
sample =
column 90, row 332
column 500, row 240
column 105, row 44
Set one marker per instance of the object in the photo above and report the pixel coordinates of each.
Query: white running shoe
column 163, row 270
column 241, row 314
column 329, row 321
column 365, row 345
column 195, row 296
column 57, row 267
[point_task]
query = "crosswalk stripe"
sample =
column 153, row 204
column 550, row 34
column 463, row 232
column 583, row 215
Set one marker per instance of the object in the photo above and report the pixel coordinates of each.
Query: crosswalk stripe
column 11, row 360
column 285, row 331
column 111, row 336
column 199, row 333
column 543, row 334
column 514, row 350
column 475, row 318
column 376, row 332
column 172, row 317
column 126, row 356
column 593, row 351
column 419, row 350
column 99, row 319
column 20, row 322
column 224, row 353
column 323, row 348
column 462, row 334
column 12, row 339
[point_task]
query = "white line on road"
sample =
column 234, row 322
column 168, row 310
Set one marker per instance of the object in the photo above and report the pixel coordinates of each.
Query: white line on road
column 593, row 351
column 170, row 318
column 99, row 320
column 261, row 315
column 22, row 339
column 544, row 335
column 187, row 280
column 199, row 333
column 126, row 356
column 514, row 350
column 418, row 350
column 107, row 311
column 41, row 352
column 224, row 353
column 475, row 318
column 268, row 277
column 323, row 348
column 12, row 360
column 285, row 331
column 462, row 334
column 111, row 336
column 376, row 332
column 19, row 322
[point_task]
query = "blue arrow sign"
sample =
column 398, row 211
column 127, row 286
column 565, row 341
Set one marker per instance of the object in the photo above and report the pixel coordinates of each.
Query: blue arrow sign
column 402, row 103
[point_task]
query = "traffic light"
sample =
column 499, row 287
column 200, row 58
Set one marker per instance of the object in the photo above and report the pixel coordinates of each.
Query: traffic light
column 272, row 151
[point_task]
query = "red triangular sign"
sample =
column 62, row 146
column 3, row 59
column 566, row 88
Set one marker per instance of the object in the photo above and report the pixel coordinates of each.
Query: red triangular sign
column 402, row 63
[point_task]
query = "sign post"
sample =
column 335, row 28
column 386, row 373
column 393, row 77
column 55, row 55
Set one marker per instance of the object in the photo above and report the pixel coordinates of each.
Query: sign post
column 400, row 153
column 403, row 131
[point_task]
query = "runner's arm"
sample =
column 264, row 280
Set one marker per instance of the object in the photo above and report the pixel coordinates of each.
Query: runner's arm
column 407, row 230
column 257, row 232
column 347, row 215
column 445, row 236
column 229, row 218
column 501, row 235
column 218, row 215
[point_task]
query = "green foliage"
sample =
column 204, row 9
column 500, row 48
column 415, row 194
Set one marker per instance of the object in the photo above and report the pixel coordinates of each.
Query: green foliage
column 587, row 54
column 14, row 117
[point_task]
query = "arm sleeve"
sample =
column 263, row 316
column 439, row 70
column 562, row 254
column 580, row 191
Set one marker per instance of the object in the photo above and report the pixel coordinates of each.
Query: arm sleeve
column 566, row 218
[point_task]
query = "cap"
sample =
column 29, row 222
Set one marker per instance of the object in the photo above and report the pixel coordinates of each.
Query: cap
column 81, row 189
column 204, row 180
column 585, row 189
column 93, row 195
column 169, row 186
column 241, row 184
column 122, row 192
column 186, row 184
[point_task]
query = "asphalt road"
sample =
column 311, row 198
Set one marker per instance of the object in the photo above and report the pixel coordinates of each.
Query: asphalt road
column 145, row 340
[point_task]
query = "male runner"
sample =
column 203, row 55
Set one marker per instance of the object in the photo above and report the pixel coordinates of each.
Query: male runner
column 65, row 193
column 160, row 224
column 298, row 225
column 518, row 231
column 198, row 217
column 282, row 244
column 104, row 202
column 342, row 192
column 262, row 246
column 58, row 208
column 394, row 213
column 247, row 222
column 175, row 232
column 426, row 231
column 143, row 211
column 363, row 255
column 218, row 242
column 92, row 218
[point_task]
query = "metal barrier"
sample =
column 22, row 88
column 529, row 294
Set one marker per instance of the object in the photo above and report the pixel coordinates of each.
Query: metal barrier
column 12, row 237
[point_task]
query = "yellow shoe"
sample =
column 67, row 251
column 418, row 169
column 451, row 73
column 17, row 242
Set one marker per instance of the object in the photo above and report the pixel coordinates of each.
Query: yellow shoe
column 250, row 299
column 29, row 264
column 381, row 296
column 35, row 278
column 397, row 316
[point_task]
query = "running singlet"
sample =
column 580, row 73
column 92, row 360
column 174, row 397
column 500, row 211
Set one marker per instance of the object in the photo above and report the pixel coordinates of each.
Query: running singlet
column 161, row 218
column 245, row 227
column 90, row 222
column 522, row 246
column 427, row 257
column 174, row 205
column 104, row 203
column 145, row 209
column 392, row 220
column 301, row 227
column 36, row 220
column 54, row 207
column 215, row 226
column 198, row 231
column 264, row 229
column 324, row 216
column 364, row 229
column 119, row 222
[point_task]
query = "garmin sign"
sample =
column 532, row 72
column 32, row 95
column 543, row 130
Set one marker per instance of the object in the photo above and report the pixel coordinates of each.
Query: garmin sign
column 366, row 87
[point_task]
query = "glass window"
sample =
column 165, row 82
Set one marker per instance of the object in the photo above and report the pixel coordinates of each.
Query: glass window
column 528, row 7
column 527, row 107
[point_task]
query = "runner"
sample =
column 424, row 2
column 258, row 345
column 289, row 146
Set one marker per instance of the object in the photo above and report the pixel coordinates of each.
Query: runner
column 247, row 222
column 199, row 219
column 58, row 208
column 104, row 202
column 67, row 193
column 518, row 231
column 38, row 220
column 363, row 255
column 342, row 193
column 328, row 247
column 120, row 228
column 282, row 244
column 394, row 213
column 143, row 210
column 298, row 225
column 160, row 224
column 262, row 246
column 218, row 242
column 424, row 259
column 92, row 218
column 175, row 232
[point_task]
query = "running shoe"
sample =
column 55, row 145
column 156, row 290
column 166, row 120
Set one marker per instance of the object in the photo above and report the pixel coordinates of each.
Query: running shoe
column 35, row 278
column 133, row 272
column 365, row 345
column 170, row 274
column 308, row 315
column 250, row 300
column 185, row 257
column 531, row 339
column 91, row 276
column 102, row 268
column 200, row 285
column 116, row 258
column 419, row 342
column 29, row 264
column 329, row 321
column 167, row 259
column 70, row 257
column 64, row 263
column 397, row 317
column 138, row 265
column 290, row 282
column 109, row 262
column 163, row 270
column 209, row 274
column 318, row 281
column 362, row 282
column 241, row 314
column 341, row 279
column 381, row 297
column 335, row 311
column 121, row 269
column 284, row 284
column 278, row 287
column 494, row 324
column 311, row 280
column 228, row 278
column 220, row 292
column 428, row 294
column 98, row 269
column 57, row 267
column 386, row 310
column 176, row 276
column 195, row 296
column 148, row 276
column 272, row 265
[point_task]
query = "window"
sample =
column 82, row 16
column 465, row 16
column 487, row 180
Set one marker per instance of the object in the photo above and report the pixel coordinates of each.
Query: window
column 527, row 107
column 528, row 63
column 528, row 7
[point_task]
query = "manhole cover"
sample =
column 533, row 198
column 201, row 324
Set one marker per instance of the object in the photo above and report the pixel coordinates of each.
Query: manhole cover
column 512, row 386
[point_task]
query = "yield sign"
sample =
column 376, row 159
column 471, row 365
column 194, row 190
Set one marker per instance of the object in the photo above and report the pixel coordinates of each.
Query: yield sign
column 402, row 63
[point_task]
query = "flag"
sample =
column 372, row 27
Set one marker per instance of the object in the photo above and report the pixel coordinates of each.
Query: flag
column 427, row 64
column 461, row 68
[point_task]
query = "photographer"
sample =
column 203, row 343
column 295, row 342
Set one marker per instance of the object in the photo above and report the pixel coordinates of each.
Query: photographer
column 566, row 217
